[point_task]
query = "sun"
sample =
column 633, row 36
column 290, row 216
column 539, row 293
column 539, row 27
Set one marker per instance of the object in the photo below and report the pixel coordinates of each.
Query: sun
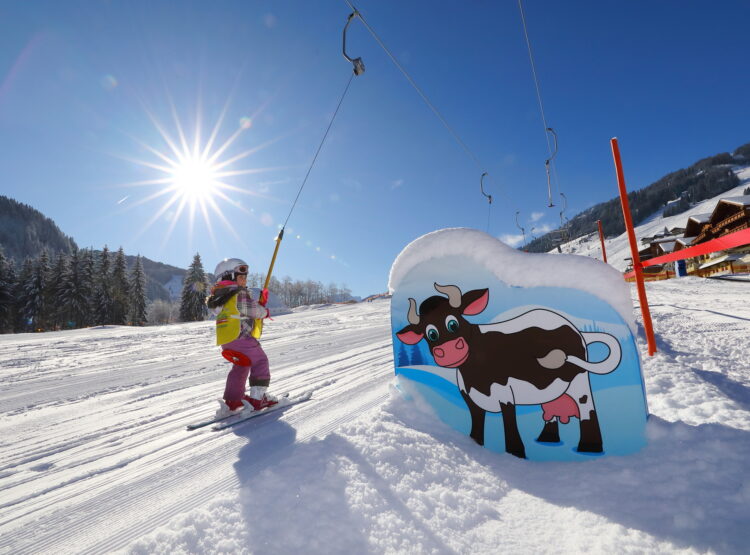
column 192, row 173
column 195, row 178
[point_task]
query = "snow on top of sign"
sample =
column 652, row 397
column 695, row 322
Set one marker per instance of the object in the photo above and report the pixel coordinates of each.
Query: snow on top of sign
column 518, row 268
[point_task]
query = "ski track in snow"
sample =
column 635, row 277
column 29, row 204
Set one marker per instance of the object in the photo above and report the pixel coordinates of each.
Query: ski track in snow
column 107, row 441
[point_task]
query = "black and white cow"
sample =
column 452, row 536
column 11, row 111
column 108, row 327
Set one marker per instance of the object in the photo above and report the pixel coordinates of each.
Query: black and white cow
column 537, row 358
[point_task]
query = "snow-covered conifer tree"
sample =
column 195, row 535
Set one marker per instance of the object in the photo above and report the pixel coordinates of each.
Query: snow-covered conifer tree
column 137, row 313
column 74, row 294
column 6, row 295
column 53, row 290
column 22, row 298
column 102, row 280
column 120, row 289
column 86, row 279
column 34, row 287
column 194, row 290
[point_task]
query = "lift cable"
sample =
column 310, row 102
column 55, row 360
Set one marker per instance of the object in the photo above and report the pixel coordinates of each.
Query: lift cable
column 489, row 199
column 320, row 146
column 523, row 231
column 421, row 93
column 541, row 104
column 547, row 165
column 359, row 68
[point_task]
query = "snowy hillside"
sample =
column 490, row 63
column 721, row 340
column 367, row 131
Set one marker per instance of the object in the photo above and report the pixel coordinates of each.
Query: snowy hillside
column 96, row 459
column 618, row 248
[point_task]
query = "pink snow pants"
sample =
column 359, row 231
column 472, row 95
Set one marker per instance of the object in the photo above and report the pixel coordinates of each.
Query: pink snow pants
column 258, row 369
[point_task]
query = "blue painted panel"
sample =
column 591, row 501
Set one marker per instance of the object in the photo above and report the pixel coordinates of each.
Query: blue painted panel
column 514, row 356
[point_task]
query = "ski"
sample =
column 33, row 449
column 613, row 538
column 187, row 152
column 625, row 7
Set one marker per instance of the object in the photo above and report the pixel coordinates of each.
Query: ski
column 234, row 418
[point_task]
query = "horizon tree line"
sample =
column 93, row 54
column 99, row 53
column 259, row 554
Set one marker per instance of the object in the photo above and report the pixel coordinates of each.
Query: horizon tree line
column 87, row 288
column 75, row 290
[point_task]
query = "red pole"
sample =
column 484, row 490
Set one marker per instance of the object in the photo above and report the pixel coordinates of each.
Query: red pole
column 637, row 268
column 601, row 238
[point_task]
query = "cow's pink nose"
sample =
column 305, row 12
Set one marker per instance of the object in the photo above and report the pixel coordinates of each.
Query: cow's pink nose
column 460, row 344
column 438, row 352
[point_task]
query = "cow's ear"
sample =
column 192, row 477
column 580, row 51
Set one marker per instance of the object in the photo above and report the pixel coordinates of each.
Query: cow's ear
column 409, row 336
column 475, row 301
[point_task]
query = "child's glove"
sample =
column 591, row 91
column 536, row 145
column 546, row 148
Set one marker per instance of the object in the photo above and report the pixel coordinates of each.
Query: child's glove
column 263, row 297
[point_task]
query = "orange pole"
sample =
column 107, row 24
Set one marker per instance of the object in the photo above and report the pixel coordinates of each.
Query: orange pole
column 601, row 238
column 637, row 268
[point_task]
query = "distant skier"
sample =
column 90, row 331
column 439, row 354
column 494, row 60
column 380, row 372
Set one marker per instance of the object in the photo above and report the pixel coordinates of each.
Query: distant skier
column 234, row 324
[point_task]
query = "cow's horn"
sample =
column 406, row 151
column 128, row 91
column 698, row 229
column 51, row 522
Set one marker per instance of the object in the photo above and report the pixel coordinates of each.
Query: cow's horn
column 453, row 292
column 413, row 317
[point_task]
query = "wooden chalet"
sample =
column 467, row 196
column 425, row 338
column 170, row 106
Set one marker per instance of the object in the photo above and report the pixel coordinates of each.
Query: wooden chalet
column 731, row 214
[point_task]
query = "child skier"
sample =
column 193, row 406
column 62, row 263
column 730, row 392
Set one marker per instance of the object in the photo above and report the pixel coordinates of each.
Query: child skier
column 234, row 325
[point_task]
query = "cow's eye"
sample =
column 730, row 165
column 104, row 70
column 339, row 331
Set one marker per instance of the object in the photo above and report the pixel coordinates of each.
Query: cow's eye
column 451, row 324
column 432, row 333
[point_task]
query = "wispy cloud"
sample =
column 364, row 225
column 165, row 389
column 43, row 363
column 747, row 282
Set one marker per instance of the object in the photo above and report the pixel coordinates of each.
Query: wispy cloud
column 512, row 240
column 542, row 229
column 536, row 216
column 397, row 183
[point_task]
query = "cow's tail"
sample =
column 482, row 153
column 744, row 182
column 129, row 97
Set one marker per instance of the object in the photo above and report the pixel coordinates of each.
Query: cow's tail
column 608, row 364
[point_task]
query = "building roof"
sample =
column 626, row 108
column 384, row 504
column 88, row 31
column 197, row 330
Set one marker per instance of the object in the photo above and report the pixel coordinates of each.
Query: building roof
column 685, row 240
column 667, row 246
column 729, row 206
column 719, row 260
column 700, row 218
column 743, row 200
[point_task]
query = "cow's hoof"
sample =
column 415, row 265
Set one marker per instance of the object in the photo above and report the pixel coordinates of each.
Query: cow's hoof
column 550, row 433
column 590, row 448
column 520, row 454
column 480, row 441
column 549, row 437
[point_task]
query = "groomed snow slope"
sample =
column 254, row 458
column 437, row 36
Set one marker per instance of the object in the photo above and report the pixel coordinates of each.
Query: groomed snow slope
column 95, row 458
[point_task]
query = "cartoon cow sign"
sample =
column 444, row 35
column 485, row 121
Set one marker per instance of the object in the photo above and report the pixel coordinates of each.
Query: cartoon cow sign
column 537, row 358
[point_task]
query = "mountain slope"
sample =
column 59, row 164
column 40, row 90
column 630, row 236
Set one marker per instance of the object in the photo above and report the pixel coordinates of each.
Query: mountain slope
column 703, row 180
column 25, row 232
column 618, row 248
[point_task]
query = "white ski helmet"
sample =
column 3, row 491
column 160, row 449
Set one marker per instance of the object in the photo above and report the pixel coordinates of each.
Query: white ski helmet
column 229, row 268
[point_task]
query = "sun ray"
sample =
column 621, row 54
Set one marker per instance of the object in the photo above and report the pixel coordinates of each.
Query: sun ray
column 164, row 135
column 197, row 169
column 145, row 182
column 156, row 216
column 198, row 121
column 209, row 226
column 250, row 171
column 215, row 131
column 178, row 125
column 149, row 198
column 224, row 220
column 250, row 151
column 212, row 159
column 175, row 218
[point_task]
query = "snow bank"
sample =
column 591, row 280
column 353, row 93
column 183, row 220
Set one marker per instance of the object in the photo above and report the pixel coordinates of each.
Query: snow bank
column 517, row 268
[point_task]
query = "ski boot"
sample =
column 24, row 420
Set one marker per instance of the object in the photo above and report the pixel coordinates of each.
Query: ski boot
column 259, row 399
column 228, row 408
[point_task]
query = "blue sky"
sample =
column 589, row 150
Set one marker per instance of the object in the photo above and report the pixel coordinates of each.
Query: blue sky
column 88, row 91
